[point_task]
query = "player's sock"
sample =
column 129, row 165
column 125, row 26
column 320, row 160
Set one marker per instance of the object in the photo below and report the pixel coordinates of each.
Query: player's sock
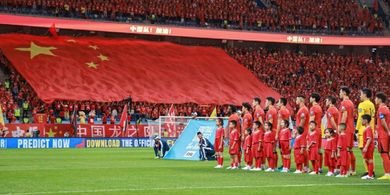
column 270, row 163
column 275, row 163
column 331, row 169
column 386, row 162
column 321, row 161
column 370, row 169
column 314, row 165
column 353, row 161
column 221, row 160
column 365, row 165
column 288, row 162
column 299, row 166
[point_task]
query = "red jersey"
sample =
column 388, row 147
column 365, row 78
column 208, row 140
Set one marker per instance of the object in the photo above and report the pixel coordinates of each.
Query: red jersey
column 272, row 114
column 256, row 137
column 246, row 122
column 347, row 106
column 285, row 134
column 316, row 111
column 331, row 144
column 300, row 142
column 284, row 114
column 247, row 142
column 220, row 133
column 259, row 112
column 342, row 142
column 234, row 137
column 313, row 139
column 303, row 114
column 368, row 134
column 269, row 137
column 235, row 117
column 332, row 112
column 383, row 113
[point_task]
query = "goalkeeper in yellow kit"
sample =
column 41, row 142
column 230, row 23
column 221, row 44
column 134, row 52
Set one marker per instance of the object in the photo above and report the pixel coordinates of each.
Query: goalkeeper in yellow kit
column 365, row 107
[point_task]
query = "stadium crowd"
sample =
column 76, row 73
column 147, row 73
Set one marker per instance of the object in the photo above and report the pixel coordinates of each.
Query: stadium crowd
column 325, row 16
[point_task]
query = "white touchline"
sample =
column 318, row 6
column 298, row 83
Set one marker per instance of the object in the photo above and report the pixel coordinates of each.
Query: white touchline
column 196, row 187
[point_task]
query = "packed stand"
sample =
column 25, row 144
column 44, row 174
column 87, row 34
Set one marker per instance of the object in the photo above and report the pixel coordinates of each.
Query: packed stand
column 330, row 17
column 292, row 73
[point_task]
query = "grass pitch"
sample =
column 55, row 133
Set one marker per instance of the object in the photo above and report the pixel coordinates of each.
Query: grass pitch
column 134, row 171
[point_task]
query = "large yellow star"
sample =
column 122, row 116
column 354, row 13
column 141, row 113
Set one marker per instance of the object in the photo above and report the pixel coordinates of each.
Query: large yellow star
column 51, row 133
column 35, row 50
column 92, row 65
column 103, row 57
column 93, row 47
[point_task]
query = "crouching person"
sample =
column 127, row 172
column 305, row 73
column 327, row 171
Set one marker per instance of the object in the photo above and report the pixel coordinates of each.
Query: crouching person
column 206, row 149
column 161, row 147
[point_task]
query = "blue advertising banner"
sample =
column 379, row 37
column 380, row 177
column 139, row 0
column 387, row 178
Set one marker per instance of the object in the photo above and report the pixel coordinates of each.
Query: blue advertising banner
column 42, row 143
column 186, row 146
column 79, row 142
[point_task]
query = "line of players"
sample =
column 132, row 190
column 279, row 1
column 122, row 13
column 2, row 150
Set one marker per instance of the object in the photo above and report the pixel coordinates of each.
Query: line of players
column 262, row 131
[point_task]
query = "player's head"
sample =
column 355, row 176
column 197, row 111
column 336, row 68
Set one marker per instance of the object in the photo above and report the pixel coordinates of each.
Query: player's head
column 267, row 126
column 256, row 101
column 233, row 124
column 284, row 123
column 232, row 109
column 256, row 125
column 246, row 107
column 365, row 93
column 219, row 122
column 342, row 127
column 300, row 130
column 248, row 131
column 312, row 125
column 269, row 101
column 300, row 99
column 199, row 134
column 282, row 102
column 330, row 100
column 380, row 98
column 344, row 91
column 315, row 97
column 366, row 119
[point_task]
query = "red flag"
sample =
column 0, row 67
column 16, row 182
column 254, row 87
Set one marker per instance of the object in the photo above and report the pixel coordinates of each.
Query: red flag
column 123, row 122
column 53, row 31
column 375, row 5
column 170, row 122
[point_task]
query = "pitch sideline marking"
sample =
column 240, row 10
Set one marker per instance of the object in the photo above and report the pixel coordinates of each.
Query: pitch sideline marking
column 197, row 187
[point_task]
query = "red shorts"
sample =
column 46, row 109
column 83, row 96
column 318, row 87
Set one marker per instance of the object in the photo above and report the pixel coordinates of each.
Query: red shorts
column 216, row 146
column 350, row 141
column 383, row 145
column 255, row 153
column 235, row 150
column 248, row 157
column 284, row 147
column 313, row 153
column 368, row 155
column 328, row 160
column 298, row 157
column 343, row 158
column 268, row 150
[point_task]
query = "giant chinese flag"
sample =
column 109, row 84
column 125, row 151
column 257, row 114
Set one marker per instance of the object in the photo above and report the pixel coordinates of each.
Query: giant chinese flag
column 104, row 70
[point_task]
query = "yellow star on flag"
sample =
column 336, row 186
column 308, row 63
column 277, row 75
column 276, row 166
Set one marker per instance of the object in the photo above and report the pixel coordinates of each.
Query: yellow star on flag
column 93, row 47
column 103, row 57
column 51, row 133
column 35, row 50
column 92, row 65
column 71, row 41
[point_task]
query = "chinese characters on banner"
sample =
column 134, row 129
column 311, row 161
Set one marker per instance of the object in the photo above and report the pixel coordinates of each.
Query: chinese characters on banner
column 155, row 30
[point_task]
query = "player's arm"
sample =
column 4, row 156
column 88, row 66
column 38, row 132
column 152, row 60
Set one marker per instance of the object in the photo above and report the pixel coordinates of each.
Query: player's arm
column 344, row 116
column 312, row 116
column 278, row 128
column 333, row 122
column 369, row 140
column 302, row 122
column 221, row 142
column 384, row 125
column 361, row 111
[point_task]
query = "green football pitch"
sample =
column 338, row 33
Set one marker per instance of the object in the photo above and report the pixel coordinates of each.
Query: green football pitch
column 135, row 171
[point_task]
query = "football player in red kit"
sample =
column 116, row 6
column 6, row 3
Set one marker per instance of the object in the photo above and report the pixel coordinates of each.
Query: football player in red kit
column 368, row 146
column 312, row 147
column 347, row 117
column 234, row 145
column 330, row 149
column 316, row 115
column 383, row 132
column 302, row 120
column 247, row 117
column 332, row 116
column 248, row 149
column 272, row 117
column 342, row 151
column 299, row 149
column 269, row 146
column 257, row 152
column 219, row 143
column 233, row 116
column 258, row 114
column 285, row 145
